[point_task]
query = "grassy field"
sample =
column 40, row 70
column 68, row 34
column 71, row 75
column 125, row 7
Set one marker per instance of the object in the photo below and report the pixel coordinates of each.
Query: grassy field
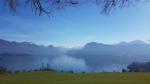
column 65, row 78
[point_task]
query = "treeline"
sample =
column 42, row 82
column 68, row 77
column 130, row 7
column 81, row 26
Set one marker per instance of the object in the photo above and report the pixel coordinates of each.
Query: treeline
column 133, row 67
column 138, row 67
column 4, row 70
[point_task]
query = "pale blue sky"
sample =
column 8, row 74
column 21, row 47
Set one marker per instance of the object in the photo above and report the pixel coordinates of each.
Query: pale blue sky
column 77, row 26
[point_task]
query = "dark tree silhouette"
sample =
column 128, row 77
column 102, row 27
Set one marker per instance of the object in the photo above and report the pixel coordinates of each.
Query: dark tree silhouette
column 124, row 70
column 139, row 67
column 2, row 70
column 47, row 6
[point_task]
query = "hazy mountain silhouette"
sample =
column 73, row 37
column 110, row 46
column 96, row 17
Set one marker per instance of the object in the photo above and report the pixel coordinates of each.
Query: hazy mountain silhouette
column 96, row 56
column 26, row 55
column 26, row 48
column 99, row 55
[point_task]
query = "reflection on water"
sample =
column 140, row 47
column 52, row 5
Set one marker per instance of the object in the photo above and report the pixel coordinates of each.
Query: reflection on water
column 23, row 62
column 35, row 62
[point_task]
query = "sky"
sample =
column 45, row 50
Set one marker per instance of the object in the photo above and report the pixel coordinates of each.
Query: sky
column 77, row 26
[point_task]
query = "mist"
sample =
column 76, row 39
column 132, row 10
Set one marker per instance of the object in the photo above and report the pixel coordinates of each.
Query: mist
column 92, row 57
column 67, row 63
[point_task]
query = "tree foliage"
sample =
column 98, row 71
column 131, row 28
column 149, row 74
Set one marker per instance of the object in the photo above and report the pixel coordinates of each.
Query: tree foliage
column 47, row 6
column 2, row 70
column 139, row 67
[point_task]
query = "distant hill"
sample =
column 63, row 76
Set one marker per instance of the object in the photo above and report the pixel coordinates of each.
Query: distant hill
column 28, row 48
column 93, row 56
column 103, row 55
column 26, row 55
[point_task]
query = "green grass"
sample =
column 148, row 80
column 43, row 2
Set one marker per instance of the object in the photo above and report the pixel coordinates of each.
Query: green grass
column 65, row 78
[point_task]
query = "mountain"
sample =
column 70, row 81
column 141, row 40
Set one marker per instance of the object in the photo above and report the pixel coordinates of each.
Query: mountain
column 93, row 56
column 26, row 48
column 99, row 55
column 26, row 55
column 135, row 42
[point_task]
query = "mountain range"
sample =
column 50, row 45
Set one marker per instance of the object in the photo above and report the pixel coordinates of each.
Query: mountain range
column 96, row 56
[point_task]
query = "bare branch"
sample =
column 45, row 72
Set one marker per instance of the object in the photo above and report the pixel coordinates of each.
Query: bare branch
column 12, row 4
column 46, row 6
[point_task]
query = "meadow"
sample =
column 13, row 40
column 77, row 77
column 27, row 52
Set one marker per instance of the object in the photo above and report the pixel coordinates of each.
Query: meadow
column 68, row 78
